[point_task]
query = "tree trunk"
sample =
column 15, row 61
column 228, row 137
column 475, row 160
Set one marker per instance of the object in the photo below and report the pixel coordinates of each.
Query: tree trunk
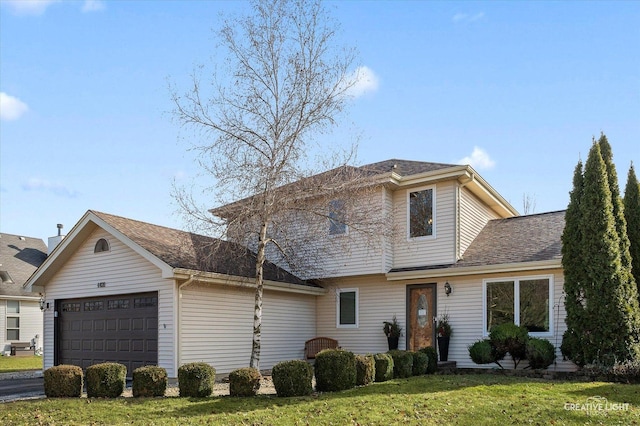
column 257, row 312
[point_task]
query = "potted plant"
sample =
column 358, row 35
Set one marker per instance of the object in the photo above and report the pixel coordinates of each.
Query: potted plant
column 444, row 334
column 393, row 331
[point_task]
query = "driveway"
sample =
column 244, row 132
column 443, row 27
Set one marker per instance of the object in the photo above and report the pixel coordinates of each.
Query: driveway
column 21, row 386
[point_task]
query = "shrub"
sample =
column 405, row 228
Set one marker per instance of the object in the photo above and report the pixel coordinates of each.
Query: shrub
column 384, row 367
column 106, row 380
column 196, row 379
column 481, row 352
column 244, row 382
column 292, row 378
column 149, row 381
column 420, row 363
column 431, row 352
column 540, row 353
column 571, row 348
column 335, row 370
column 402, row 363
column 63, row 381
column 622, row 372
column 365, row 369
column 509, row 338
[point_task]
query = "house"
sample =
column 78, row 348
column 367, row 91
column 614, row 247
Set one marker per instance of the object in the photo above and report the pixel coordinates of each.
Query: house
column 20, row 315
column 127, row 291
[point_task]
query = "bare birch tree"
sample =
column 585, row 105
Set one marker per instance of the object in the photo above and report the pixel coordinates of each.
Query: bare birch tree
column 284, row 82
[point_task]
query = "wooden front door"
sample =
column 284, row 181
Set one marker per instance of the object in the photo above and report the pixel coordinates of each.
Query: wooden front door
column 421, row 310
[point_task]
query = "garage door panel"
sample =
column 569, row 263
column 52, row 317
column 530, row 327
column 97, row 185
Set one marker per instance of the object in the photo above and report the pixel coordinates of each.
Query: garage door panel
column 122, row 328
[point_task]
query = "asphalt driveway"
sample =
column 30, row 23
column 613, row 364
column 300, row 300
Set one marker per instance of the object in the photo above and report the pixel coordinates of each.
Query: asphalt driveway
column 14, row 388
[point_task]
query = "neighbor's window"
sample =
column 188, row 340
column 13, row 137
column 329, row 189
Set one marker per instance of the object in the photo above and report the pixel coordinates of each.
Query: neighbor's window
column 13, row 320
column 337, row 223
column 347, row 308
column 101, row 246
column 522, row 301
column 421, row 213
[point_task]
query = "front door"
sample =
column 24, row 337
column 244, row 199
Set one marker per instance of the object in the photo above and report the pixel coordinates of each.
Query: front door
column 421, row 310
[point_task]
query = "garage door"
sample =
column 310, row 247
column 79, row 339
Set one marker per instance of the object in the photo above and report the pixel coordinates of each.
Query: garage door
column 121, row 328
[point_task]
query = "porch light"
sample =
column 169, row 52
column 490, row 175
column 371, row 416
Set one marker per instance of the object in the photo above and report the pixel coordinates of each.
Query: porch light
column 42, row 302
column 447, row 288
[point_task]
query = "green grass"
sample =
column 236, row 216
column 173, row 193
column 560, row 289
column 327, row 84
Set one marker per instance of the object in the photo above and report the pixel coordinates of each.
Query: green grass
column 10, row 364
column 426, row 400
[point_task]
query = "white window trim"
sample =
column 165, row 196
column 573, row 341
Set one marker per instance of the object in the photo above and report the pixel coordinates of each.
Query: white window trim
column 347, row 290
column 433, row 211
column 12, row 315
column 346, row 227
column 516, row 301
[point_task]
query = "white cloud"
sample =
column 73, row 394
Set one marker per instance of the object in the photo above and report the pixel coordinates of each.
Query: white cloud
column 479, row 159
column 365, row 81
column 29, row 7
column 465, row 17
column 11, row 108
column 93, row 6
column 43, row 185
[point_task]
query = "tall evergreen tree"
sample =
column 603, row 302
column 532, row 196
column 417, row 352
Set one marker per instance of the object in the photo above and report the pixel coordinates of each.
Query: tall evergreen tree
column 632, row 216
column 573, row 272
column 611, row 310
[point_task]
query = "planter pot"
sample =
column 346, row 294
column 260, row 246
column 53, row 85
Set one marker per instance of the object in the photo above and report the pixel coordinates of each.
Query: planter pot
column 443, row 348
column 393, row 342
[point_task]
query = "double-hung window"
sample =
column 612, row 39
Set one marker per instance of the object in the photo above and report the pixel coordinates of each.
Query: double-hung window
column 337, row 225
column 523, row 301
column 421, row 213
column 13, row 320
column 347, row 308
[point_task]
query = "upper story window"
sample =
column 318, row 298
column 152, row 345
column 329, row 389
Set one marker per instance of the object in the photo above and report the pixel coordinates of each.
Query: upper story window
column 421, row 216
column 522, row 301
column 13, row 320
column 337, row 225
column 101, row 246
column 347, row 308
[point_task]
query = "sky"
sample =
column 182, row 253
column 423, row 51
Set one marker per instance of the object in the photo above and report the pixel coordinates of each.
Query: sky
column 516, row 89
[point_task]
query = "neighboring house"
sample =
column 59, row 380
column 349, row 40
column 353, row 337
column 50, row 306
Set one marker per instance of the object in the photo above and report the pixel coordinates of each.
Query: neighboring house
column 132, row 292
column 20, row 314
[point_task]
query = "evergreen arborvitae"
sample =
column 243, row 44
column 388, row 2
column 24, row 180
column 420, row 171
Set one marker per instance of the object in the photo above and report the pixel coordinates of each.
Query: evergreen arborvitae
column 572, row 264
column 611, row 312
column 632, row 216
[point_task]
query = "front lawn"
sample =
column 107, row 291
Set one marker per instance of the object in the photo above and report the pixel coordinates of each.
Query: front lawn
column 10, row 364
column 425, row 400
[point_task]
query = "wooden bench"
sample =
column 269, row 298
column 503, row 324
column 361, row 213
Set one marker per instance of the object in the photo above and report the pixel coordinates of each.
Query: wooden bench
column 315, row 345
column 22, row 349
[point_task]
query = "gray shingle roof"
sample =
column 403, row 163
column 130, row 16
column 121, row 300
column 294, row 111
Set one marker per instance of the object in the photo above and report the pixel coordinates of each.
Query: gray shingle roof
column 180, row 249
column 405, row 167
column 517, row 239
column 20, row 257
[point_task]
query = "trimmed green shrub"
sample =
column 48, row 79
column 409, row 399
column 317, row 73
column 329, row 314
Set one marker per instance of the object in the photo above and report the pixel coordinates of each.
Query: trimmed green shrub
column 63, row 381
column 431, row 352
column 481, row 352
column 509, row 338
column 292, row 378
column 571, row 349
column 365, row 370
column 335, row 370
column 149, row 380
column 540, row 353
column 196, row 379
column 106, row 380
column 384, row 367
column 420, row 363
column 402, row 363
column 244, row 382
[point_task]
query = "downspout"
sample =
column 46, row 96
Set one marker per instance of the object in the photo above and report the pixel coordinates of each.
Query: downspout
column 458, row 242
column 179, row 323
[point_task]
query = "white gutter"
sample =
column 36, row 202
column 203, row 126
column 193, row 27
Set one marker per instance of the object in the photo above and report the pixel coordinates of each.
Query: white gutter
column 4, row 296
column 474, row 270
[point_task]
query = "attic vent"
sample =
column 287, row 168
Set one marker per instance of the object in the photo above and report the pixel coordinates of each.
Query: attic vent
column 101, row 245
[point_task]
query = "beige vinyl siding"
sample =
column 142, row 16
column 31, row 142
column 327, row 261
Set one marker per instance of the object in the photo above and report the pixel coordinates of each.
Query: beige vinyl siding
column 123, row 271
column 378, row 301
column 474, row 215
column 217, row 326
column 387, row 245
column 426, row 251
column 3, row 318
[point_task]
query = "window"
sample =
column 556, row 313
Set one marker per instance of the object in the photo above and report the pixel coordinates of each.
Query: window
column 13, row 320
column 337, row 223
column 421, row 217
column 347, row 308
column 522, row 301
column 101, row 246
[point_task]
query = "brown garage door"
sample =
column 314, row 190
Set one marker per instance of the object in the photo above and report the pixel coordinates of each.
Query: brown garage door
column 121, row 328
